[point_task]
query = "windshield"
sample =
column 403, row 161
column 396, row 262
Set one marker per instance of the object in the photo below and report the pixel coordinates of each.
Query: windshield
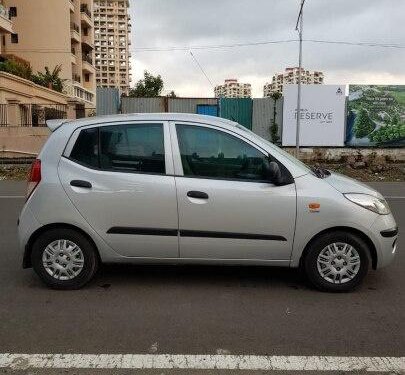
column 287, row 155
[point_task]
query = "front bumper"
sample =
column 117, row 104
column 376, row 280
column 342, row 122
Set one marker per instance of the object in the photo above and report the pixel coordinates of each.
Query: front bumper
column 385, row 238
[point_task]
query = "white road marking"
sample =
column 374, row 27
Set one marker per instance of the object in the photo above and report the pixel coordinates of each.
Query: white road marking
column 202, row 362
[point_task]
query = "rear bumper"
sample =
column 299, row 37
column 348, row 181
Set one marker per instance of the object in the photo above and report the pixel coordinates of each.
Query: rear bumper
column 385, row 232
column 27, row 225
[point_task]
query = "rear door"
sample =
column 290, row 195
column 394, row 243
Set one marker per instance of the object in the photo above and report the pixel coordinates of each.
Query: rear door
column 120, row 178
column 227, row 208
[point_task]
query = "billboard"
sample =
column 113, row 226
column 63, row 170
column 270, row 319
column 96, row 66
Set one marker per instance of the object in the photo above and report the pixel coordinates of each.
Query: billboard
column 322, row 115
column 376, row 115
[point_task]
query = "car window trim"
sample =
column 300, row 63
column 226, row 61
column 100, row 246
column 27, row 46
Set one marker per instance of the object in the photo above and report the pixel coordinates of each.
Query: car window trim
column 177, row 154
column 167, row 151
column 169, row 175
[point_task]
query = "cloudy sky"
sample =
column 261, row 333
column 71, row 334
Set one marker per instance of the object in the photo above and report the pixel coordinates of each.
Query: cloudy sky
column 161, row 24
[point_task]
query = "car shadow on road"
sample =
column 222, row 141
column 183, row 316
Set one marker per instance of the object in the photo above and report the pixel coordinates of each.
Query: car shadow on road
column 200, row 275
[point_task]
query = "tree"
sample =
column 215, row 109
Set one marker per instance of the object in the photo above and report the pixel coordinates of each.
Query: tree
column 50, row 79
column 172, row 94
column 274, row 127
column 363, row 125
column 148, row 87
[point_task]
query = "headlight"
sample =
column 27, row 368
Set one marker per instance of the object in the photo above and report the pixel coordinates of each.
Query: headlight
column 377, row 205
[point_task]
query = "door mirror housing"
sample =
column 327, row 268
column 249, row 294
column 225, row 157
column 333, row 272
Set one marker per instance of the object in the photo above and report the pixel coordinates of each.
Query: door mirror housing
column 277, row 173
column 273, row 172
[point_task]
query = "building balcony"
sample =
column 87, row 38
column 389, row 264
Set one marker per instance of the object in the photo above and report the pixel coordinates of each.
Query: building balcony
column 88, row 40
column 6, row 26
column 76, row 78
column 73, row 56
column 75, row 32
column 72, row 6
column 77, row 91
column 86, row 16
column 88, row 66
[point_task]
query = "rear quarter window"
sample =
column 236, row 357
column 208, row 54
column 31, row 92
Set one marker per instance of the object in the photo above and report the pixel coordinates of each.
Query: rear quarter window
column 85, row 150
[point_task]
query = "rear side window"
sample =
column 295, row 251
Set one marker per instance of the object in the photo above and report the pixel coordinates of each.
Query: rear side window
column 85, row 150
column 135, row 148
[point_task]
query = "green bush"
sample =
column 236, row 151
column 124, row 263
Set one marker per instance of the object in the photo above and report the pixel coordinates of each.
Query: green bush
column 16, row 68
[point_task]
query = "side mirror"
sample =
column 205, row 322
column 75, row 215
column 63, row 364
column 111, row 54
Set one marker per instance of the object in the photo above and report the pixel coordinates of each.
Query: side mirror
column 273, row 172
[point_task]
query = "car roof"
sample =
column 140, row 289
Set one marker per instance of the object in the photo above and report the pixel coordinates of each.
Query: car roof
column 188, row 117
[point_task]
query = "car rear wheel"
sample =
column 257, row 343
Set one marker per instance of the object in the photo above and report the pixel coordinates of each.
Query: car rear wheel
column 337, row 261
column 64, row 258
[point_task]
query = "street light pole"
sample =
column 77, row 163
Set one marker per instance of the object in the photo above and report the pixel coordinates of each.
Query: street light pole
column 300, row 28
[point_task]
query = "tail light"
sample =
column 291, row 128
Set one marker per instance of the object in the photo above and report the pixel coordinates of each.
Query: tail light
column 34, row 177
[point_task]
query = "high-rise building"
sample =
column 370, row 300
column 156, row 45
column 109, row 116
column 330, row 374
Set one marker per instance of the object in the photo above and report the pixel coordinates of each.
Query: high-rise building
column 51, row 33
column 291, row 76
column 233, row 89
column 112, row 41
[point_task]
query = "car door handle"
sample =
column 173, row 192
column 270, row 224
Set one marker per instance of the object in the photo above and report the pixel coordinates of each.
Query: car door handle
column 197, row 194
column 81, row 184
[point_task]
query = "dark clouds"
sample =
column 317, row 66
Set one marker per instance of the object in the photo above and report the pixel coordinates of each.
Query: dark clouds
column 165, row 23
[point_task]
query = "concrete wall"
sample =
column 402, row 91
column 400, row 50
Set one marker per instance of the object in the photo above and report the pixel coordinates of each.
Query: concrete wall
column 17, row 140
column 16, row 88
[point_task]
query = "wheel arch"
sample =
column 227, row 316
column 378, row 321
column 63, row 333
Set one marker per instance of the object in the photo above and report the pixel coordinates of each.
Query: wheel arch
column 359, row 233
column 28, row 248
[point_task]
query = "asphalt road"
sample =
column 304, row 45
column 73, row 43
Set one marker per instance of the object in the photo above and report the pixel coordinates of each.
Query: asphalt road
column 198, row 310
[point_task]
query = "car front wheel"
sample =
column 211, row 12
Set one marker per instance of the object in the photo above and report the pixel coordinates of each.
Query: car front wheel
column 64, row 259
column 337, row 261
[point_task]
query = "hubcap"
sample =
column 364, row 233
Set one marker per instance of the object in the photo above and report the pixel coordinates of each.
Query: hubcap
column 338, row 263
column 63, row 259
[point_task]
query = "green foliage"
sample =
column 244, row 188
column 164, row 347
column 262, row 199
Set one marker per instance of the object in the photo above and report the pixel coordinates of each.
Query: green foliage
column 274, row 133
column 363, row 125
column 172, row 94
column 21, row 69
column 50, row 79
column 16, row 68
column 148, row 87
column 388, row 133
column 274, row 126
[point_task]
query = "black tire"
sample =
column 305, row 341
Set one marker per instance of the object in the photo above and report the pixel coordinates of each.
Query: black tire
column 310, row 265
column 90, row 257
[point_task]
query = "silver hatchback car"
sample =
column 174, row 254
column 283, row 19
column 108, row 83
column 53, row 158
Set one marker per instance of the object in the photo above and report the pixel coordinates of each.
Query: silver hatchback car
column 180, row 188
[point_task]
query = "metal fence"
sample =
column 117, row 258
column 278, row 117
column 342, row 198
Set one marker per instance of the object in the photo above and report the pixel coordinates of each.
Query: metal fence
column 36, row 115
column 3, row 115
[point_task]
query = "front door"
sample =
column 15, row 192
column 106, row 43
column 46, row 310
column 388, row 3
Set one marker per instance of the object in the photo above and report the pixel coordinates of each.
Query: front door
column 227, row 208
column 120, row 179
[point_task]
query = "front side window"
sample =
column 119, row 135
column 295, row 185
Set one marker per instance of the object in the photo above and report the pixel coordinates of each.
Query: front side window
column 136, row 148
column 210, row 153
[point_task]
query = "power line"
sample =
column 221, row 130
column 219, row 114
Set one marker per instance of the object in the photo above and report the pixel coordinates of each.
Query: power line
column 201, row 68
column 360, row 44
column 217, row 46
column 226, row 46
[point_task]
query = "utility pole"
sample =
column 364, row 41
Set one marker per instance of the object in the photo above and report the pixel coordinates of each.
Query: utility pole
column 300, row 28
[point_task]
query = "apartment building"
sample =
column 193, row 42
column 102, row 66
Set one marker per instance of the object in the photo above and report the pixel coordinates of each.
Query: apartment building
column 112, row 28
column 58, row 32
column 291, row 76
column 6, row 26
column 233, row 89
